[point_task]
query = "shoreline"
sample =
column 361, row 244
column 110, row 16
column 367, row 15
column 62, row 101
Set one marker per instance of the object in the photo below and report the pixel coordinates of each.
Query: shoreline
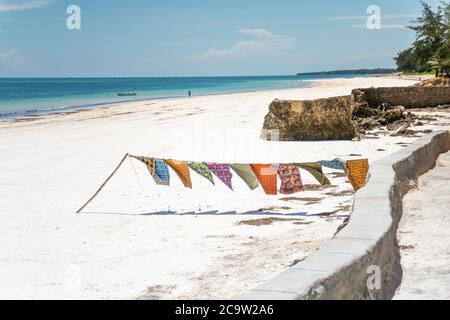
column 69, row 109
column 39, row 112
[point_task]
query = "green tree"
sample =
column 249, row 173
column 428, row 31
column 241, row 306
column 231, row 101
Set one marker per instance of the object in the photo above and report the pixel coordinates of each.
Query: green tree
column 405, row 61
column 431, row 48
column 441, row 60
column 429, row 28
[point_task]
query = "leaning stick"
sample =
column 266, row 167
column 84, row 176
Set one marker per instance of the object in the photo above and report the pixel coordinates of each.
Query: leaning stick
column 104, row 183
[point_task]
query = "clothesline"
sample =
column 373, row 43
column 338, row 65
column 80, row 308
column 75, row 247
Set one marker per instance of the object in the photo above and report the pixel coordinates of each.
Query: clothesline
column 254, row 175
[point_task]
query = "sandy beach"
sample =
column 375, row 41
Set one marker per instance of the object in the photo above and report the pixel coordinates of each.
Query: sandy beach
column 125, row 244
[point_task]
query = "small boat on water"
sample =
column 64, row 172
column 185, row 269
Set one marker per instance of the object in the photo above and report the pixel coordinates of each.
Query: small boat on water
column 127, row 93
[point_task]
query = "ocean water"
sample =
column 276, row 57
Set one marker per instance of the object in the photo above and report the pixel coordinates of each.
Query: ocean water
column 33, row 96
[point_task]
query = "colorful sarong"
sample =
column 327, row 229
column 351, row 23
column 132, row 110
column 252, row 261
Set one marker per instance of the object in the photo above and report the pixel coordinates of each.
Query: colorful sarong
column 357, row 172
column 182, row 171
column 267, row 176
column 316, row 170
column 149, row 162
column 245, row 172
column 337, row 164
column 223, row 172
column 157, row 168
column 162, row 176
column 291, row 181
column 203, row 170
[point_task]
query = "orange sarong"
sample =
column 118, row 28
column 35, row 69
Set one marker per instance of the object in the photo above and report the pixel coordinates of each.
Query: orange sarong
column 267, row 177
column 182, row 171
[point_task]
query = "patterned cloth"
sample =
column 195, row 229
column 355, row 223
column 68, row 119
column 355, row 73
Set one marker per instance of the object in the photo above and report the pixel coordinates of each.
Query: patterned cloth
column 162, row 176
column 337, row 164
column 316, row 170
column 157, row 168
column 245, row 172
column 203, row 170
column 223, row 172
column 357, row 172
column 267, row 176
column 182, row 171
column 149, row 162
column 291, row 181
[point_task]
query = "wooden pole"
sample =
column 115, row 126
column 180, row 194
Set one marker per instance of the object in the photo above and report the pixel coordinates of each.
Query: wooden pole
column 104, row 183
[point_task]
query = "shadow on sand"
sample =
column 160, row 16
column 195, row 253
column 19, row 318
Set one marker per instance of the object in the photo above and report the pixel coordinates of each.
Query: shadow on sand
column 206, row 213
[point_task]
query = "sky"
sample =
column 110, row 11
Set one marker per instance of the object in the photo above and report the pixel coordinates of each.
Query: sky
column 139, row 38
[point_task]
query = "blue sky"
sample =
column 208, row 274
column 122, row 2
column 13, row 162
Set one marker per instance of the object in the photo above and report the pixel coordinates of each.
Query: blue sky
column 199, row 37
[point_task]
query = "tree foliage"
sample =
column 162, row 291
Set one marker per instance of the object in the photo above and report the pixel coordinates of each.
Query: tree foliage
column 431, row 47
column 406, row 61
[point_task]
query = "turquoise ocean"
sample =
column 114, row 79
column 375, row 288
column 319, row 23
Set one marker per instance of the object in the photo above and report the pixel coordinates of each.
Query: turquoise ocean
column 34, row 96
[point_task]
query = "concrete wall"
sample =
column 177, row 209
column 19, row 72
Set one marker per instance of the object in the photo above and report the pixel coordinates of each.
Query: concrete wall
column 409, row 97
column 339, row 269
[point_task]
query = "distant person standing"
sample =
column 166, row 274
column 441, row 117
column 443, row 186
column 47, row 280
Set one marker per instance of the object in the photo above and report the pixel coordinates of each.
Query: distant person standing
column 189, row 93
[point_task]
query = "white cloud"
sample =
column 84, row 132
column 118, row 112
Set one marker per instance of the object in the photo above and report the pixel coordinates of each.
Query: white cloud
column 8, row 5
column 263, row 42
column 258, row 33
column 12, row 57
column 239, row 48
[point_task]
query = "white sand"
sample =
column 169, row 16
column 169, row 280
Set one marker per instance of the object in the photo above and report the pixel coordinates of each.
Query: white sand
column 51, row 165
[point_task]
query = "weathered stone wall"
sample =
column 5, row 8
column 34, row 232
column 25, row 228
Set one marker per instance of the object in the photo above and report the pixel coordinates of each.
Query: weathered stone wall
column 321, row 119
column 331, row 118
column 409, row 97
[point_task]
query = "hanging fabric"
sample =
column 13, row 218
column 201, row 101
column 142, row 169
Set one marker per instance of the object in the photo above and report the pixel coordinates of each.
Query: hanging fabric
column 223, row 172
column 149, row 162
column 202, row 169
column 315, row 169
column 157, row 168
column 162, row 176
column 357, row 172
column 182, row 171
column 245, row 172
column 337, row 164
column 267, row 177
column 291, row 181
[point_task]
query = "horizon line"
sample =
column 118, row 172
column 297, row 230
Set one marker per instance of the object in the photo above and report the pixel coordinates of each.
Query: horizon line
column 191, row 76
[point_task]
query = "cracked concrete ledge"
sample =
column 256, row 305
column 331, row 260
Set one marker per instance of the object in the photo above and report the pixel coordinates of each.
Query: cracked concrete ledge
column 341, row 269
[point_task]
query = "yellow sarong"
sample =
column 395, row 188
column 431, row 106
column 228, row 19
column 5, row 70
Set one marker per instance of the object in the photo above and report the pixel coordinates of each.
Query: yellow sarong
column 357, row 172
